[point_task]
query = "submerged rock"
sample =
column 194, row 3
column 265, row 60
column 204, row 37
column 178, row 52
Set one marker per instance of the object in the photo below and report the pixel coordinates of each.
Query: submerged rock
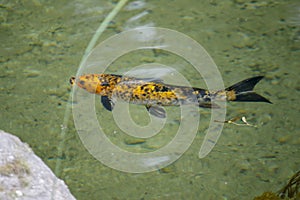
column 24, row 176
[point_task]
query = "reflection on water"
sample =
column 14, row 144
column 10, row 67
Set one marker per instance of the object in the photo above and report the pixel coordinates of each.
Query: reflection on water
column 41, row 46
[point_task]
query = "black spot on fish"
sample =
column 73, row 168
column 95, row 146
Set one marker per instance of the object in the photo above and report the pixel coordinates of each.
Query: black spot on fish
column 207, row 99
column 202, row 93
column 157, row 89
column 165, row 89
column 104, row 83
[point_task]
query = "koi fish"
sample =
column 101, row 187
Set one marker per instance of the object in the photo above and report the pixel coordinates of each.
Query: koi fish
column 154, row 93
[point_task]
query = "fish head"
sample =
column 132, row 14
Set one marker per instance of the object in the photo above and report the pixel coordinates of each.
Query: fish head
column 93, row 83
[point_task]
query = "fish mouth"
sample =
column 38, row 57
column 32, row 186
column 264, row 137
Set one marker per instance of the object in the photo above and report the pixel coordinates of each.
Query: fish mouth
column 72, row 80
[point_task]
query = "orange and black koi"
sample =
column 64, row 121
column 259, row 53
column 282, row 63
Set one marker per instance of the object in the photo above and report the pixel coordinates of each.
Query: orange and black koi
column 154, row 93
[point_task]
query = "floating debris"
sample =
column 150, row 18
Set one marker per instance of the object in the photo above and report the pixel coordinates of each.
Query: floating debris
column 233, row 121
column 292, row 189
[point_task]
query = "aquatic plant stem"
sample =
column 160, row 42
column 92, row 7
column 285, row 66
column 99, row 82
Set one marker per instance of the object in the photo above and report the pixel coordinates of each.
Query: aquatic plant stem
column 101, row 29
column 67, row 115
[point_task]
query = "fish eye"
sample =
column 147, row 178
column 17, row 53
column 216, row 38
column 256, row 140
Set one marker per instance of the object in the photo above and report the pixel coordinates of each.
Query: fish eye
column 81, row 82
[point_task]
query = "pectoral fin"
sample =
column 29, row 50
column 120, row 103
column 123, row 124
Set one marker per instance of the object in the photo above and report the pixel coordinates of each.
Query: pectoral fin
column 157, row 111
column 107, row 103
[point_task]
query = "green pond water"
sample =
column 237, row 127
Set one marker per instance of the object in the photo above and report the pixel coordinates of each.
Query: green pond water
column 42, row 44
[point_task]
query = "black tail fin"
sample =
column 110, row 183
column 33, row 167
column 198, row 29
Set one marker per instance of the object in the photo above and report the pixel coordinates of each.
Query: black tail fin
column 243, row 91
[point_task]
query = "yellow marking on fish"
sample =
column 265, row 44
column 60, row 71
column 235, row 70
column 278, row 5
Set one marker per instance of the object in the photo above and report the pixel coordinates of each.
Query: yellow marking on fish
column 230, row 95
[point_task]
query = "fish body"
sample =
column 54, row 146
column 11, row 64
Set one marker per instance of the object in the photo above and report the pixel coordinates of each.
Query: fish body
column 154, row 93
